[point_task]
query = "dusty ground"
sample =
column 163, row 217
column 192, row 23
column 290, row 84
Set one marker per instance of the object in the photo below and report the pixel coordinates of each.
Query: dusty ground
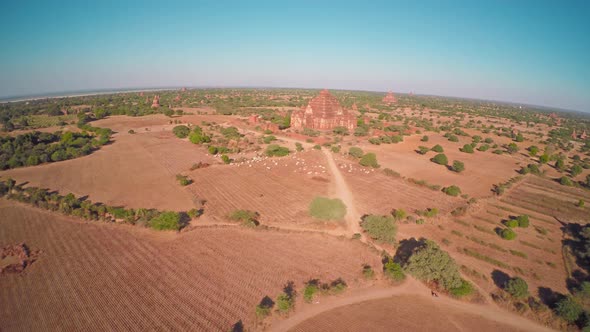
column 112, row 277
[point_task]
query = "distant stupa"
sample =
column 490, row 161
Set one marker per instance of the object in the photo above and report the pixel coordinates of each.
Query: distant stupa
column 156, row 102
column 389, row 98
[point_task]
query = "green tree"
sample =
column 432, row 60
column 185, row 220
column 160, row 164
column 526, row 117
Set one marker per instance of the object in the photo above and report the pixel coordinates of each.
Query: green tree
column 507, row 234
column 393, row 270
column 458, row 166
column 452, row 190
column 369, row 160
column 467, row 148
column 181, row 131
column 341, row 131
column 569, row 309
column 517, row 287
column 274, row 150
column 437, row 148
column 430, row 263
column 355, row 152
column 440, row 159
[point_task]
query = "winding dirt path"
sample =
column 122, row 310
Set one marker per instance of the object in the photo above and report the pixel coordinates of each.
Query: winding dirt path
column 410, row 287
column 344, row 193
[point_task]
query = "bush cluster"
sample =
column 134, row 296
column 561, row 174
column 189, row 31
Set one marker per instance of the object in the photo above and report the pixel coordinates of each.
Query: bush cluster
column 380, row 228
column 86, row 209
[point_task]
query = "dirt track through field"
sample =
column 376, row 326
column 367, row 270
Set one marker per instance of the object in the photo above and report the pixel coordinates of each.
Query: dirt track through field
column 344, row 193
column 412, row 291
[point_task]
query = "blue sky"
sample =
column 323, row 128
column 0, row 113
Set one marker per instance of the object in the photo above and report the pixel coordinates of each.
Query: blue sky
column 535, row 52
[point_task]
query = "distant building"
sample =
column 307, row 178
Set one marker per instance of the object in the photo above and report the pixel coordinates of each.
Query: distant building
column 156, row 102
column 389, row 98
column 323, row 113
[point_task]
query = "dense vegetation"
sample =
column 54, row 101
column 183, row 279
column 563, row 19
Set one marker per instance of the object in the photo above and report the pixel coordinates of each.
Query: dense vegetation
column 36, row 148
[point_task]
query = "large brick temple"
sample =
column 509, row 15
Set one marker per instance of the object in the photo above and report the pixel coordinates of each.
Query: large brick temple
column 323, row 113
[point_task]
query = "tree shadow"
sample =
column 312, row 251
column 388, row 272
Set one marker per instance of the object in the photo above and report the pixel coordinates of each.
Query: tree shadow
column 406, row 248
column 267, row 302
column 289, row 289
column 238, row 327
column 549, row 297
column 185, row 220
column 500, row 278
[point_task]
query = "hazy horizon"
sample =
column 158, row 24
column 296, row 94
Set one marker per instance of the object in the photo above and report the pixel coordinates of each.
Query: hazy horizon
column 528, row 52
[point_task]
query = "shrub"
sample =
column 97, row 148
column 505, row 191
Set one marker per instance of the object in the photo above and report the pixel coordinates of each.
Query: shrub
column 430, row 263
column 380, row 228
column 131, row 131
column 517, row 288
column 437, row 148
column 166, row 221
column 225, row 159
column 512, row 148
column 212, row 150
column 194, row 213
column 523, row 221
column 274, row 150
column 544, row 158
column 440, row 159
column 335, row 149
column 452, row 191
column 512, row 223
column 569, row 309
column 576, row 170
column 284, row 303
column 298, row 147
column 428, row 213
column 317, row 147
column 355, row 152
column 393, row 270
column 423, row 149
column 453, row 138
column 198, row 137
column 580, row 203
column 311, row 288
column 465, row 289
column 183, row 180
column 399, row 214
column 268, row 139
column 467, row 148
column 390, row 172
column 340, row 130
column 424, row 138
column 564, row 180
column 533, row 150
column 368, row 272
column 369, row 160
column 181, row 131
column 483, row 148
column 243, row 215
column 458, row 166
column 264, row 308
column 327, row 209
column 507, row 234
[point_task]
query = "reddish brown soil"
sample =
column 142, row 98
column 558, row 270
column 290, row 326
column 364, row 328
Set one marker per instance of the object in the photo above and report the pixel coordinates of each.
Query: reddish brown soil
column 410, row 313
column 113, row 277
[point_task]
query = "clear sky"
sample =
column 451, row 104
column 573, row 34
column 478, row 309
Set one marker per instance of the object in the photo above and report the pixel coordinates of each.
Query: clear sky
column 535, row 52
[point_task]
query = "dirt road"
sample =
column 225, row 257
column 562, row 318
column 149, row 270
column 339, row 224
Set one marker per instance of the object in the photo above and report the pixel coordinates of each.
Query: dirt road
column 344, row 193
column 411, row 288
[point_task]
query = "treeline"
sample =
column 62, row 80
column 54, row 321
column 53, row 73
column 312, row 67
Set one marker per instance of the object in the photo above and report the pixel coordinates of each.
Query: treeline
column 36, row 148
column 86, row 209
